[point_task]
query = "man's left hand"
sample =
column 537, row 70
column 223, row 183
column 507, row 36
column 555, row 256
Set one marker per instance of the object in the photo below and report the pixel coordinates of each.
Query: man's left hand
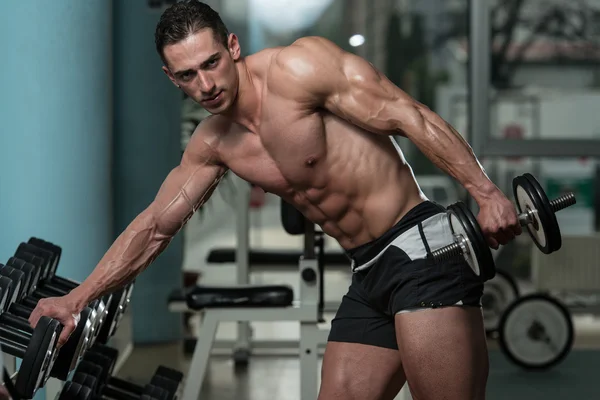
column 498, row 220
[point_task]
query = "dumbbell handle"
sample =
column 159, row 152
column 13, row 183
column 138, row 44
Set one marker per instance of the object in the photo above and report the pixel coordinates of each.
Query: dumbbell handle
column 560, row 203
column 12, row 348
column 14, row 342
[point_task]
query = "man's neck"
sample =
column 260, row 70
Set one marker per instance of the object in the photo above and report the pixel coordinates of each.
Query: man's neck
column 246, row 110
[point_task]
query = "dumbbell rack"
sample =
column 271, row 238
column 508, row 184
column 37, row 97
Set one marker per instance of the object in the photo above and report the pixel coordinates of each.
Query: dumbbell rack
column 119, row 336
column 122, row 341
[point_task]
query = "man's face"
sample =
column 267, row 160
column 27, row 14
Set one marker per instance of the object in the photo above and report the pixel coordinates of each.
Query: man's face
column 204, row 69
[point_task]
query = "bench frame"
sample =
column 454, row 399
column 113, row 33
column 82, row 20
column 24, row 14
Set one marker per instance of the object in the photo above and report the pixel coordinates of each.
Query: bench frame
column 308, row 311
column 305, row 311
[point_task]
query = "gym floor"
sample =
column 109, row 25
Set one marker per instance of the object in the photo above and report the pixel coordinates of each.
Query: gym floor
column 277, row 377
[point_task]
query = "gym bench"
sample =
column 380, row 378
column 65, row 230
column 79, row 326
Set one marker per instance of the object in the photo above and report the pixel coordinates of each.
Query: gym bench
column 245, row 303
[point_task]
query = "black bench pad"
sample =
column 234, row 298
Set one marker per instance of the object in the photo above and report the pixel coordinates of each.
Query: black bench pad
column 200, row 297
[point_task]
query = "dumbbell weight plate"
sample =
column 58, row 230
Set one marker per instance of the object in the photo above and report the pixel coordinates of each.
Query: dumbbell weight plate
column 26, row 267
column 112, row 317
column 88, row 368
column 18, row 279
column 122, row 308
column 170, row 386
column 154, row 392
column 544, row 231
column 38, row 358
column 54, row 250
column 103, row 362
column 26, row 278
column 44, row 244
column 75, row 391
column 5, row 291
column 71, row 351
column 478, row 256
column 536, row 332
column 105, row 350
column 27, row 251
column 498, row 294
column 169, row 373
column 86, row 380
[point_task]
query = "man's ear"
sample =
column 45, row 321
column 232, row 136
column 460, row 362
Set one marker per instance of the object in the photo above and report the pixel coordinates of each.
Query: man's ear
column 233, row 45
column 170, row 75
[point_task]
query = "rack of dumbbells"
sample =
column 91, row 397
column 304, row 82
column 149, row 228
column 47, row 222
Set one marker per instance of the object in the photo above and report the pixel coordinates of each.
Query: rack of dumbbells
column 85, row 364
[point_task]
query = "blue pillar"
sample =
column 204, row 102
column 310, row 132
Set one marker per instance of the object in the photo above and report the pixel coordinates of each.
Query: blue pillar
column 147, row 146
column 56, row 113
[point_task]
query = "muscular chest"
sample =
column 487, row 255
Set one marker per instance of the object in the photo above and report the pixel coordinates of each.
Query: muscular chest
column 296, row 142
column 287, row 154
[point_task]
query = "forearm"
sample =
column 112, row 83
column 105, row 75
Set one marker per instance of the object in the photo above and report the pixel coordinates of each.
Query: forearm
column 447, row 149
column 131, row 253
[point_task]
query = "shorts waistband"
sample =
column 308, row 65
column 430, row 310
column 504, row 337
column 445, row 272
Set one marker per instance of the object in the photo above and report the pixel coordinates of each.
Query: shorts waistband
column 428, row 219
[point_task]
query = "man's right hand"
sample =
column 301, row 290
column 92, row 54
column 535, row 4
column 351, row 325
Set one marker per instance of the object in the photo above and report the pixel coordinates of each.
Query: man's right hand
column 63, row 309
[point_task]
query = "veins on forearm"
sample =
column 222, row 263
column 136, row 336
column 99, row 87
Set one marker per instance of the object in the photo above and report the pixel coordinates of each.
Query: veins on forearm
column 143, row 241
column 449, row 151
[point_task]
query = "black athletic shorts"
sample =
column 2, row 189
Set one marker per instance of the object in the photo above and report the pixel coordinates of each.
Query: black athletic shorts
column 395, row 274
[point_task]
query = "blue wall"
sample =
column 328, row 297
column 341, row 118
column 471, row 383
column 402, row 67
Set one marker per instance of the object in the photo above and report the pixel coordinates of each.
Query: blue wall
column 147, row 146
column 56, row 111
column 90, row 128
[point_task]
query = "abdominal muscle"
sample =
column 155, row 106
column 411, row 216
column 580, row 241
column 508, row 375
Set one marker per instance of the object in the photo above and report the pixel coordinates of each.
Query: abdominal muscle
column 358, row 187
column 369, row 187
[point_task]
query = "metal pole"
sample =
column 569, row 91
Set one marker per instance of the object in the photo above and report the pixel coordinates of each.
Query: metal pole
column 241, row 258
column 309, row 240
column 479, row 77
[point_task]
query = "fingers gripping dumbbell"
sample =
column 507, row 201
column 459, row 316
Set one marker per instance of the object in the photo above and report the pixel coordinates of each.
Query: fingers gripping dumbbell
column 35, row 347
column 21, row 306
column 110, row 308
column 48, row 256
column 537, row 214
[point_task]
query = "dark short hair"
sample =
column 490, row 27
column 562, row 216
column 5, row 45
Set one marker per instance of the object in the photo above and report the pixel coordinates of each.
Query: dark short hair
column 185, row 18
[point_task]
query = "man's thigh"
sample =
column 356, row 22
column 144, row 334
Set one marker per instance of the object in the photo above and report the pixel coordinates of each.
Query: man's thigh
column 361, row 359
column 440, row 331
column 444, row 352
column 363, row 372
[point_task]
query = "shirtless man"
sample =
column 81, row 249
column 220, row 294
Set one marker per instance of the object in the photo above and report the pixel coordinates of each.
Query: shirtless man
column 313, row 124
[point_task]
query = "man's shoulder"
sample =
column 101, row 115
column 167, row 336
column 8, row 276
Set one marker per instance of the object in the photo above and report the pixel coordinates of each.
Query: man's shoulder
column 297, row 70
column 305, row 49
column 210, row 131
column 215, row 123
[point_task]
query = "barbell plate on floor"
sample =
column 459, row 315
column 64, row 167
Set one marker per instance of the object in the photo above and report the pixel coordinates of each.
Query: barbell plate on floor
column 536, row 332
column 498, row 294
column 478, row 255
column 544, row 230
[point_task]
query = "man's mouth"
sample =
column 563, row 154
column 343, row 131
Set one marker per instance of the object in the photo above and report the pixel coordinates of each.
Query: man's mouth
column 212, row 99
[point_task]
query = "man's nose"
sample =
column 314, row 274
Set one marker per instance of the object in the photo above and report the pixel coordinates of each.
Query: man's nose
column 207, row 85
